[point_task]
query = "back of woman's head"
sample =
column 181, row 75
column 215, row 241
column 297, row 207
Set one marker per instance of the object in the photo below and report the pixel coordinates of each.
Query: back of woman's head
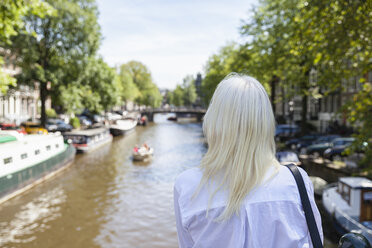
column 239, row 127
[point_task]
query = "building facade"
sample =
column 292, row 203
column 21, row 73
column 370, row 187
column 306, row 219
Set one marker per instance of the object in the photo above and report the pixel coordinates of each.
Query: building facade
column 323, row 112
column 21, row 103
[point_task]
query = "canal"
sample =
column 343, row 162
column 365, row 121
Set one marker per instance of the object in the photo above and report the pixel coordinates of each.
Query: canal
column 105, row 199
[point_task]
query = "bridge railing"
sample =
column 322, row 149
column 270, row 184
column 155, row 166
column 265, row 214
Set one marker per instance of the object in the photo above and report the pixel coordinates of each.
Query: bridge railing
column 173, row 109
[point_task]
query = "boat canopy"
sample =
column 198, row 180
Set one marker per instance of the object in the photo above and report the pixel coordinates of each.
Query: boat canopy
column 7, row 138
column 357, row 182
column 88, row 132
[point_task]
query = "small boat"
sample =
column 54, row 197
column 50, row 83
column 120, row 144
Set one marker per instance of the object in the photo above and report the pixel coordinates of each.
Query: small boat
column 288, row 157
column 27, row 160
column 349, row 203
column 143, row 154
column 172, row 118
column 142, row 121
column 319, row 185
column 89, row 139
column 123, row 126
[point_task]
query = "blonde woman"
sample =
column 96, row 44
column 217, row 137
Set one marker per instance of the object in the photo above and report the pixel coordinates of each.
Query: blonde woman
column 241, row 196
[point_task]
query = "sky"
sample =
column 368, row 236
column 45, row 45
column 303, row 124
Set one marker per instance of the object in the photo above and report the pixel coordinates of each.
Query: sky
column 173, row 38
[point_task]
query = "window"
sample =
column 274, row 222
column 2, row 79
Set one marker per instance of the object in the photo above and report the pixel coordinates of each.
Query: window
column 23, row 155
column 37, row 152
column 8, row 160
column 48, row 148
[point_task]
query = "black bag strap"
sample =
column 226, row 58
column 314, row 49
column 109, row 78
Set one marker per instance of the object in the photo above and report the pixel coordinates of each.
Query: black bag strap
column 309, row 215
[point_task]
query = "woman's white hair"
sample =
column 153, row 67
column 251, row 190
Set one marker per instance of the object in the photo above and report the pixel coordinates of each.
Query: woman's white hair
column 239, row 127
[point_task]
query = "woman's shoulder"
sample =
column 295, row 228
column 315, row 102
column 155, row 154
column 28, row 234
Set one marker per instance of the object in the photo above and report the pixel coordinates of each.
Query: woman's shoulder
column 281, row 187
column 188, row 178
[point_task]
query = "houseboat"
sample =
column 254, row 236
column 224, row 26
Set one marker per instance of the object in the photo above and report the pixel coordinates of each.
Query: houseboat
column 349, row 203
column 28, row 160
column 123, row 126
column 89, row 139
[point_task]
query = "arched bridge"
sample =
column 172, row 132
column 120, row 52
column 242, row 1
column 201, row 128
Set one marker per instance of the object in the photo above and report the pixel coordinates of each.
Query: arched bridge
column 197, row 112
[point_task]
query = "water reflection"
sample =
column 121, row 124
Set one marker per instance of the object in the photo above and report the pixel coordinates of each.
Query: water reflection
column 32, row 217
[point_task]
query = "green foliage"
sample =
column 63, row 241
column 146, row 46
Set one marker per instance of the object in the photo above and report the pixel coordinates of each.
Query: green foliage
column 51, row 113
column 5, row 80
column 149, row 93
column 185, row 94
column 177, row 96
column 57, row 48
column 287, row 39
column 99, row 84
column 128, row 89
column 70, row 97
column 75, row 122
column 360, row 109
column 231, row 58
column 11, row 16
column 189, row 90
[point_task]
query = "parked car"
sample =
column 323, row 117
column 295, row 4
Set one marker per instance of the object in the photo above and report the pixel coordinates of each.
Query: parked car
column 336, row 152
column 308, row 140
column 98, row 119
column 318, row 149
column 286, row 131
column 33, row 128
column 12, row 126
column 54, row 125
column 326, row 138
column 303, row 141
column 85, row 121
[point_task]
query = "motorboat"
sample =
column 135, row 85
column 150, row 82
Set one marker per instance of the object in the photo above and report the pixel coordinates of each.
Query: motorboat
column 288, row 157
column 143, row 153
column 319, row 184
column 123, row 126
column 89, row 139
column 349, row 204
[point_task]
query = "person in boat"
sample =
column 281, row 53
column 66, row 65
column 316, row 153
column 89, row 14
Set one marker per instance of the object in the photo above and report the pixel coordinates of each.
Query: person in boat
column 147, row 148
column 240, row 196
column 135, row 149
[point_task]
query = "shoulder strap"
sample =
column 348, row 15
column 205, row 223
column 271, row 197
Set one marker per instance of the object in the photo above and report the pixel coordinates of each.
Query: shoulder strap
column 313, row 229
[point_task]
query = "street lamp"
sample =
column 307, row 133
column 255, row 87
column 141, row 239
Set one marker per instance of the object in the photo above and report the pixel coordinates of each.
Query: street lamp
column 291, row 114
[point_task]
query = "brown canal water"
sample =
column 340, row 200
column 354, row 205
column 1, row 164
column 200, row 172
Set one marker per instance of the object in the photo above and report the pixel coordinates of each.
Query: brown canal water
column 105, row 199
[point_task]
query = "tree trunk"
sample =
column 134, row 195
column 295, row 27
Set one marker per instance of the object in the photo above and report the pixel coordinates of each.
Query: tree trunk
column 304, row 115
column 273, row 82
column 43, row 97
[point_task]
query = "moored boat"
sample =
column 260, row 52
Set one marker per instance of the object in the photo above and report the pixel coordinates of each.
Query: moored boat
column 123, row 126
column 89, row 139
column 26, row 161
column 349, row 203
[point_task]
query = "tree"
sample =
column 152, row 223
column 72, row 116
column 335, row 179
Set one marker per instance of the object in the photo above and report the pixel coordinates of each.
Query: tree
column 149, row 93
column 129, row 90
column 231, row 58
column 360, row 109
column 189, row 90
column 12, row 13
column 96, row 89
column 331, row 37
column 278, row 34
column 56, row 48
column 217, row 68
column 177, row 97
